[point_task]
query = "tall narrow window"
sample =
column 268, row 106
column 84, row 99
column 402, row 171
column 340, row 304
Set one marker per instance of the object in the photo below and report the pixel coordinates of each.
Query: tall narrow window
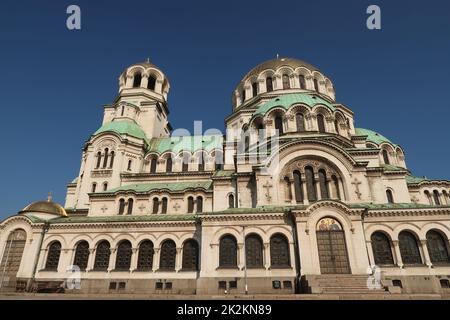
column 408, row 248
column 190, row 255
column 185, row 166
column 279, row 251
column 123, row 111
column 169, row 164
column 54, row 252
column 436, row 198
column 218, row 160
column 310, row 184
column 111, row 163
column 316, row 85
column 105, row 186
column 102, row 254
column 151, row 83
column 121, row 206
column 164, row 205
column 145, row 257
column 105, row 160
column 286, row 83
column 123, row 258
column 230, row 201
column 190, row 204
column 381, row 247
column 287, row 189
column 324, row 192
column 130, row 206
column 137, row 80
column 321, row 123
column 155, row 205
column 199, row 204
column 201, row 162
column 269, row 84
column 243, row 97
column 389, row 196
column 94, row 187
column 437, row 247
column 153, row 163
column 129, row 165
column 279, row 124
column 81, row 255
column 429, row 198
column 300, row 121
column 228, row 252
column 168, row 255
column 302, row 81
column 336, row 187
column 298, row 186
column 99, row 159
column 255, row 89
column 385, row 156
column 253, row 251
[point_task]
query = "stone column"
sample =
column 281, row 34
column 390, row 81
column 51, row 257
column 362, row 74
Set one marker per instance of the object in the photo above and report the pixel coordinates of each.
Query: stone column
column 156, row 259
column 305, row 190
column 178, row 260
column 241, row 256
column 398, row 254
column 65, row 259
column 91, row 260
column 134, row 259
column 267, row 255
column 317, row 186
column 43, row 257
column 426, row 254
column 112, row 259
column 293, row 199
column 370, row 252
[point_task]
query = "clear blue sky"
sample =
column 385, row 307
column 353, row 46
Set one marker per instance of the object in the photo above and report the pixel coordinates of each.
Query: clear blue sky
column 54, row 81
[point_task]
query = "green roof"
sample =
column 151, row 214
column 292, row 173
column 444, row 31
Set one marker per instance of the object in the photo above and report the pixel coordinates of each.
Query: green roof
column 123, row 127
column 170, row 186
column 287, row 100
column 415, row 180
column 126, row 218
column 372, row 136
column 186, row 143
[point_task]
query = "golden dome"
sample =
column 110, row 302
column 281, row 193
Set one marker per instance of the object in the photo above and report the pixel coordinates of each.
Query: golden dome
column 45, row 207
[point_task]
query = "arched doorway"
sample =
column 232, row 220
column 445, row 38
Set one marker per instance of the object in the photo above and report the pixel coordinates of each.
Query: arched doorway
column 332, row 249
column 12, row 256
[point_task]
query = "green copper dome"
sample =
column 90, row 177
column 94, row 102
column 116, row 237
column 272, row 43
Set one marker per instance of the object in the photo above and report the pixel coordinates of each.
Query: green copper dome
column 372, row 136
column 123, row 127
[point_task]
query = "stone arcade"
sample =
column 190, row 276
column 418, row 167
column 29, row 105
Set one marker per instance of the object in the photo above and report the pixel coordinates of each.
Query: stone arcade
column 153, row 213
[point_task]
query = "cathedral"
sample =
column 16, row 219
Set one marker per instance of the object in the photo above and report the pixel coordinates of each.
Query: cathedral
column 293, row 198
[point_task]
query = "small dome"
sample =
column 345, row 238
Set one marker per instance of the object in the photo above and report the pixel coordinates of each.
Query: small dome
column 48, row 206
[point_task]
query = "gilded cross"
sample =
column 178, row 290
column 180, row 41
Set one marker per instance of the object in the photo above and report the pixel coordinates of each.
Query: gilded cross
column 176, row 206
column 142, row 207
column 357, row 183
column 267, row 186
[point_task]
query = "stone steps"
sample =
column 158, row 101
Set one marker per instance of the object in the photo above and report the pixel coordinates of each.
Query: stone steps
column 338, row 284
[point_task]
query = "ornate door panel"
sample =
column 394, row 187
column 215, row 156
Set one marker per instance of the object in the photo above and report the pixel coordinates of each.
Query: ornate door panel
column 10, row 262
column 332, row 249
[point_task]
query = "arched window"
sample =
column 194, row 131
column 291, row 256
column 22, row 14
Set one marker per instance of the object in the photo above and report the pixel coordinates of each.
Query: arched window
column 169, row 164
column 428, row 195
column 54, row 251
column 218, row 160
column 155, row 205
column 336, row 126
column 129, row 165
column 228, row 252
column 123, row 111
column 153, row 163
column 336, row 186
column 324, row 192
column 408, row 248
column 445, row 196
column 302, row 81
column 81, row 255
column 436, row 198
column 199, row 204
column 102, row 254
column 253, row 251
column 316, row 85
column 151, row 83
column 121, row 206
column 130, row 206
column 168, row 255
column 105, row 186
column 99, row 159
column 321, row 123
column 145, row 257
column 243, row 97
column 164, row 205
column 231, row 201
column 279, row 251
column 279, row 124
column 310, row 184
column 287, row 189
column 186, row 159
column 137, row 80
column 201, row 162
column 437, row 247
column 190, row 205
column 286, row 83
column 300, row 121
column 381, row 247
column 269, row 84
column 190, row 255
column 123, row 258
column 255, row 89
column 94, row 187
column 298, row 186
column 385, row 156
column 111, row 163
column 389, row 196
column 105, row 160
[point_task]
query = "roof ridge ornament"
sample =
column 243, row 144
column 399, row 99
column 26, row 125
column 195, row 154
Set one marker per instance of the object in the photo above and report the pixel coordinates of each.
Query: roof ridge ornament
column 49, row 197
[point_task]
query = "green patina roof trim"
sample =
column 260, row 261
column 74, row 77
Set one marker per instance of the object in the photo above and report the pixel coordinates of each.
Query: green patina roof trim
column 126, row 218
column 223, row 173
column 380, row 206
column 186, row 143
column 123, row 127
column 415, row 180
column 372, row 136
column 287, row 100
column 170, row 186
column 390, row 167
